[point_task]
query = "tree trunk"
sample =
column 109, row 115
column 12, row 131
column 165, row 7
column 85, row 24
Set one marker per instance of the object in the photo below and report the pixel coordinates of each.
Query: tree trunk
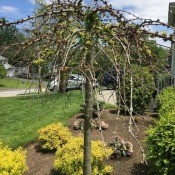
column 88, row 113
column 63, row 82
column 63, row 75
column 39, row 78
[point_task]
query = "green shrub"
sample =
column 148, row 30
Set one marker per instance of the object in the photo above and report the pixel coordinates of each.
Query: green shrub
column 143, row 88
column 2, row 71
column 12, row 162
column 53, row 136
column 161, row 137
column 69, row 159
column 166, row 101
column 161, row 145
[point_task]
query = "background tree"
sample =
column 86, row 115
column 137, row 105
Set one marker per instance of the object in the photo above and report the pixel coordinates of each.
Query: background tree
column 2, row 71
column 39, row 63
column 8, row 36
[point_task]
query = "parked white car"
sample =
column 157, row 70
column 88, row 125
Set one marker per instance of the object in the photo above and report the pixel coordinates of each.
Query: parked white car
column 75, row 81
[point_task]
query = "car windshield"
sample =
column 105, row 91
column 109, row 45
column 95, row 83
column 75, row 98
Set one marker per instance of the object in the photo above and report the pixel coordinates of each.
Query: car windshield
column 70, row 77
column 75, row 77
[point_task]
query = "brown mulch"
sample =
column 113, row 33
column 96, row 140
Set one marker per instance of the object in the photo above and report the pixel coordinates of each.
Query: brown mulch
column 41, row 163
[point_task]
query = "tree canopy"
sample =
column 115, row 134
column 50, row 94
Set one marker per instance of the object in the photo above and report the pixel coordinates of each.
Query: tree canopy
column 9, row 35
column 87, row 38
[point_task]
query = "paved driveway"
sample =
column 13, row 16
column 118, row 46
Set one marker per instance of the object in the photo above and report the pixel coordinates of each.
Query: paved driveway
column 14, row 92
column 105, row 95
column 108, row 96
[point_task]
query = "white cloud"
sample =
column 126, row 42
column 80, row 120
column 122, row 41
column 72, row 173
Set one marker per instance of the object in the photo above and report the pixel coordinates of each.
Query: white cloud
column 46, row 1
column 149, row 9
column 7, row 9
column 42, row 1
column 32, row 1
column 49, row 1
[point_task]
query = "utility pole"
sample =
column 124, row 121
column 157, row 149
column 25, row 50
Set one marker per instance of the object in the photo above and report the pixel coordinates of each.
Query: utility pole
column 171, row 22
column 173, row 63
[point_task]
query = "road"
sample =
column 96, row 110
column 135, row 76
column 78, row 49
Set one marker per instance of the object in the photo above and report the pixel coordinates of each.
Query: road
column 15, row 92
column 105, row 95
column 108, row 96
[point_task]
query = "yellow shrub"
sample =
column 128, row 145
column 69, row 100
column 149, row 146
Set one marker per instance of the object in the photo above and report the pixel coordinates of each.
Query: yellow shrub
column 12, row 162
column 54, row 136
column 69, row 159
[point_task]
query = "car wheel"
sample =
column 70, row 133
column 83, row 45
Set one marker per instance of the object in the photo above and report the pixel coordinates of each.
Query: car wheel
column 110, row 86
column 81, row 87
column 55, row 89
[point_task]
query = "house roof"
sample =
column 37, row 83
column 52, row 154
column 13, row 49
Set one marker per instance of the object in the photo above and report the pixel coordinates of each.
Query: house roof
column 3, row 58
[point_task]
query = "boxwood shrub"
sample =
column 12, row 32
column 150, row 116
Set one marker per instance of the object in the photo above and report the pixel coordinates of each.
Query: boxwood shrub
column 54, row 136
column 69, row 159
column 12, row 162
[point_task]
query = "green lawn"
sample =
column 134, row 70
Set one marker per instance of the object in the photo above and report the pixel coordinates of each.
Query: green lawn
column 21, row 117
column 14, row 83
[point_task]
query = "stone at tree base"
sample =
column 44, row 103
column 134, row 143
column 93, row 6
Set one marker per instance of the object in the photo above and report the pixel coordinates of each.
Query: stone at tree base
column 79, row 124
column 102, row 125
column 121, row 148
column 98, row 124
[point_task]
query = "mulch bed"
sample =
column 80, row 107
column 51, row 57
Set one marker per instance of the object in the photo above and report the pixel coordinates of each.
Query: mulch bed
column 41, row 163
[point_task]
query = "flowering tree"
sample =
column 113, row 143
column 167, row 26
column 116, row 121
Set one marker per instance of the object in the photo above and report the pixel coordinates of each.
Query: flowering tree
column 93, row 31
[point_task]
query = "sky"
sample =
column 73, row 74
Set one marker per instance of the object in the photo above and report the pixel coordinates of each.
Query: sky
column 16, row 9
column 150, row 9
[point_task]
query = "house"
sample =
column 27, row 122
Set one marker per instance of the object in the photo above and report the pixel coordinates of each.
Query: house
column 3, row 60
column 9, row 68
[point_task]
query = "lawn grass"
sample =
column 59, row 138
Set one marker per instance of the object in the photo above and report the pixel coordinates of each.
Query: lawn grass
column 110, row 106
column 16, row 83
column 21, row 117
